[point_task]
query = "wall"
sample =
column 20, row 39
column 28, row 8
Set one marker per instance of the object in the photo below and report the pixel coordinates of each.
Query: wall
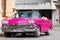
column 9, row 7
column 55, row 15
column 0, row 7
column 0, row 16
column 59, row 14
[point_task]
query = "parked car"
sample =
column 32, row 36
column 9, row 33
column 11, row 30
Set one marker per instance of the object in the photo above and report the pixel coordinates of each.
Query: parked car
column 26, row 22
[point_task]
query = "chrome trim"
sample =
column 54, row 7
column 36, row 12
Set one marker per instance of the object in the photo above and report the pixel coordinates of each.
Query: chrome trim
column 18, row 27
column 21, row 30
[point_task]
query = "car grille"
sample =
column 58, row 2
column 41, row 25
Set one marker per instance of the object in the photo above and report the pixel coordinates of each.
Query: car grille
column 19, row 26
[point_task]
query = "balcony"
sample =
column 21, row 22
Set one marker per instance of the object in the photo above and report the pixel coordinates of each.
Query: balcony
column 34, row 6
column 31, row 1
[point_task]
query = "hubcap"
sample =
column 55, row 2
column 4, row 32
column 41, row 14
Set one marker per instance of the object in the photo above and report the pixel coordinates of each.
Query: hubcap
column 38, row 31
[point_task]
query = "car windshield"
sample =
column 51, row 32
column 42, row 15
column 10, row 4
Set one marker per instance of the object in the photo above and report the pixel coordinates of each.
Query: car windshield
column 34, row 14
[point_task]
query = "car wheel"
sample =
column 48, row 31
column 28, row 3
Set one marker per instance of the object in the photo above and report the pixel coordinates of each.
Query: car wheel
column 6, row 34
column 37, row 34
column 46, row 33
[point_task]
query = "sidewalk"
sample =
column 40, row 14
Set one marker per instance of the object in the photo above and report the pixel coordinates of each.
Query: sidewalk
column 0, row 24
column 58, row 25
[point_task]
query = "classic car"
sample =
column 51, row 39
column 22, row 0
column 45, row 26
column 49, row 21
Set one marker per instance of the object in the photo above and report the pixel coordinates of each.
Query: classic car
column 25, row 23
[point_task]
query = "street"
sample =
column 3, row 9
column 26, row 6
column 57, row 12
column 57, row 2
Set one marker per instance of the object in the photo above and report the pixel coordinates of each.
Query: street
column 54, row 35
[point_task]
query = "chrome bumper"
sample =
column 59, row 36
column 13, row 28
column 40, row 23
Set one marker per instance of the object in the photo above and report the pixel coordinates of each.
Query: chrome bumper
column 21, row 30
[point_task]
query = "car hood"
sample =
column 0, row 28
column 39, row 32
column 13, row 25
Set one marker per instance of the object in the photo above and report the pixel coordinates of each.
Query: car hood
column 18, row 21
column 21, row 20
column 25, row 20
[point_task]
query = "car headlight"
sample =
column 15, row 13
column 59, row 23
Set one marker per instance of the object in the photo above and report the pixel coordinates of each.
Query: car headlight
column 31, row 21
column 5, row 22
column 5, row 27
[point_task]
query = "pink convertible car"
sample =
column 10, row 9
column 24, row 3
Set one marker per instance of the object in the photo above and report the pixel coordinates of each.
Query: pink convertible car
column 26, row 23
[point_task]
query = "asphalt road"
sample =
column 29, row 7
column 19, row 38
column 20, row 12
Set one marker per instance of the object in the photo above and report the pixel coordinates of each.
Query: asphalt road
column 54, row 35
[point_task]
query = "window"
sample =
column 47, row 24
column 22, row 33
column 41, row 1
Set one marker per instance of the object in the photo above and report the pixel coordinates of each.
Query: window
column 28, row 14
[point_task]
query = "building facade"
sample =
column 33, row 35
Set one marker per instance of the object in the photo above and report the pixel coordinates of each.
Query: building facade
column 0, row 15
column 57, row 4
column 46, row 7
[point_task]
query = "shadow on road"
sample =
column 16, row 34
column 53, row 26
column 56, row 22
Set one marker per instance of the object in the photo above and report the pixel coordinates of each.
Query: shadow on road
column 26, row 36
column 1, row 35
